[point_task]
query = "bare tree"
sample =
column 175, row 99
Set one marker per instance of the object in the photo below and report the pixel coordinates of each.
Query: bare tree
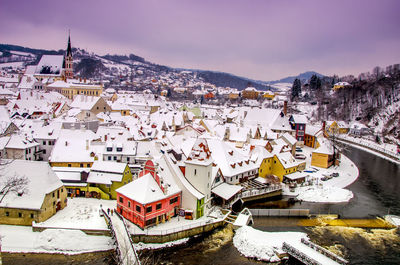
column 11, row 184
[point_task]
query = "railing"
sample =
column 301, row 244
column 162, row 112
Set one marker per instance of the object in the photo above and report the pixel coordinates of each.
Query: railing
column 254, row 192
column 299, row 255
column 325, row 252
column 113, row 236
column 137, row 261
column 170, row 231
column 369, row 145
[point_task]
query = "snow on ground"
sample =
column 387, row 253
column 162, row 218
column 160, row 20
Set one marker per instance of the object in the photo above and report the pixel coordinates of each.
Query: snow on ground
column 253, row 243
column 142, row 246
column 394, row 219
column 23, row 239
column 80, row 213
column 325, row 194
column 175, row 224
column 13, row 65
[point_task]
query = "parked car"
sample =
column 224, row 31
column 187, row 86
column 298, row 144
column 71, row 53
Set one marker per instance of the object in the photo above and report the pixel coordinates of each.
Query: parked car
column 300, row 156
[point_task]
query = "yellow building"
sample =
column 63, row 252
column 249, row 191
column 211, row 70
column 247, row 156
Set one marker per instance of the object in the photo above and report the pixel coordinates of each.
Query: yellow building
column 100, row 181
column 323, row 155
column 70, row 90
column 40, row 199
column 250, row 93
column 269, row 95
column 339, row 127
column 340, row 85
column 279, row 165
column 109, row 176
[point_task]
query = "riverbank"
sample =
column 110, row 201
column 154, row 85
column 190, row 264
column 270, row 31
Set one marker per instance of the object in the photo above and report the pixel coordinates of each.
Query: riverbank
column 92, row 258
column 386, row 151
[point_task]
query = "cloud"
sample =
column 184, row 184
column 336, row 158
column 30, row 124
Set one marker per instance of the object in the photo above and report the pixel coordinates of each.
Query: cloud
column 261, row 39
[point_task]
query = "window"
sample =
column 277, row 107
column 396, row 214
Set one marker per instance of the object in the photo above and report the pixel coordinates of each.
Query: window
column 44, row 151
column 121, row 200
column 69, row 165
column 173, row 200
column 53, row 194
column 44, row 142
column 119, row 149
column 54, row 203
column 7, row 213
column 87, row 165
column 129, row 204
column 195, row 171
column 158, row 206
column 115, row 158
column 32, row 215
column 81, row 165
column 138, row 209
column 20, row 215
column 127, row 159
column 109, row 149
column 149, row 209
column 109, row 157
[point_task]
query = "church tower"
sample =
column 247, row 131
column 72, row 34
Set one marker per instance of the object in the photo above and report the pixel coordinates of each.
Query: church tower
column 69, row 73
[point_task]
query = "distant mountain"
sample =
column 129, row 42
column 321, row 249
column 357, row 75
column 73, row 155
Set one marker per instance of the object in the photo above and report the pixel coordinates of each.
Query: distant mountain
column 94, row 66
column 229, row 80
column 304, row 77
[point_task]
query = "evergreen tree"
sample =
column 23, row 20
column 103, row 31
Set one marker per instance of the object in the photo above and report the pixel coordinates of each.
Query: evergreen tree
column 296, row 88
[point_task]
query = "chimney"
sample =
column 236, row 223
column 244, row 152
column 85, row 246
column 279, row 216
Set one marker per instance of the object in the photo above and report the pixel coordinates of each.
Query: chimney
column 285, row 107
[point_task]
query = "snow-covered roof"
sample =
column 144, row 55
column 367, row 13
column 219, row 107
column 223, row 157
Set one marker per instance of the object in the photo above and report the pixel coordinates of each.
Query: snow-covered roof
column 71, row 146
column 226, row 191
column 50, row 65
column 325, row 147
column 108, row 166
column 18, row 141
column 84, row 102
column 42, row 180
column 145, row 190
column 287, row 160
column 313, row 130
column 297, row 118
column 289, row 138
column 104, row 177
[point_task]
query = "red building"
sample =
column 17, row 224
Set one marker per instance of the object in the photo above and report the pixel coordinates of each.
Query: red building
column 149, row 199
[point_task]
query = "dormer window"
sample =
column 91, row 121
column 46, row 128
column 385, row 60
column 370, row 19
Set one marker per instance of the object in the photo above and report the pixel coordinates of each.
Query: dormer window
column 119, row 149
column 109, row 149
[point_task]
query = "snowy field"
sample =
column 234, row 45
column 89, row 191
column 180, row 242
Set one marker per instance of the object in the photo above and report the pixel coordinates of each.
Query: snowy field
column 80, row 213
column 253, row 243
column 22, row 239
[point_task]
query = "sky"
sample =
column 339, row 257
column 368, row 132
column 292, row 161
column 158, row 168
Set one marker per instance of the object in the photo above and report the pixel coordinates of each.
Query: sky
column 259, row 39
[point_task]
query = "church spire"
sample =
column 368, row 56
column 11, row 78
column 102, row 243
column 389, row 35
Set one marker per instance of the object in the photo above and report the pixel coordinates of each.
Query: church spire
column 69, row 51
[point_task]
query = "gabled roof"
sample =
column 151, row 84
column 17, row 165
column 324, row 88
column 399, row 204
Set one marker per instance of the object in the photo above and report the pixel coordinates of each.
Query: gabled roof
column 299, row 119
column 42, row 180
column 50, row 65
column 289, row 138
column 144, row 190
column 84, row 102
column 106, row 166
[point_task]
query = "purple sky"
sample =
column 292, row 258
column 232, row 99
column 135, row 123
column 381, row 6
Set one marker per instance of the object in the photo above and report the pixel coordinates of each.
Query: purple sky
column 260, row 39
